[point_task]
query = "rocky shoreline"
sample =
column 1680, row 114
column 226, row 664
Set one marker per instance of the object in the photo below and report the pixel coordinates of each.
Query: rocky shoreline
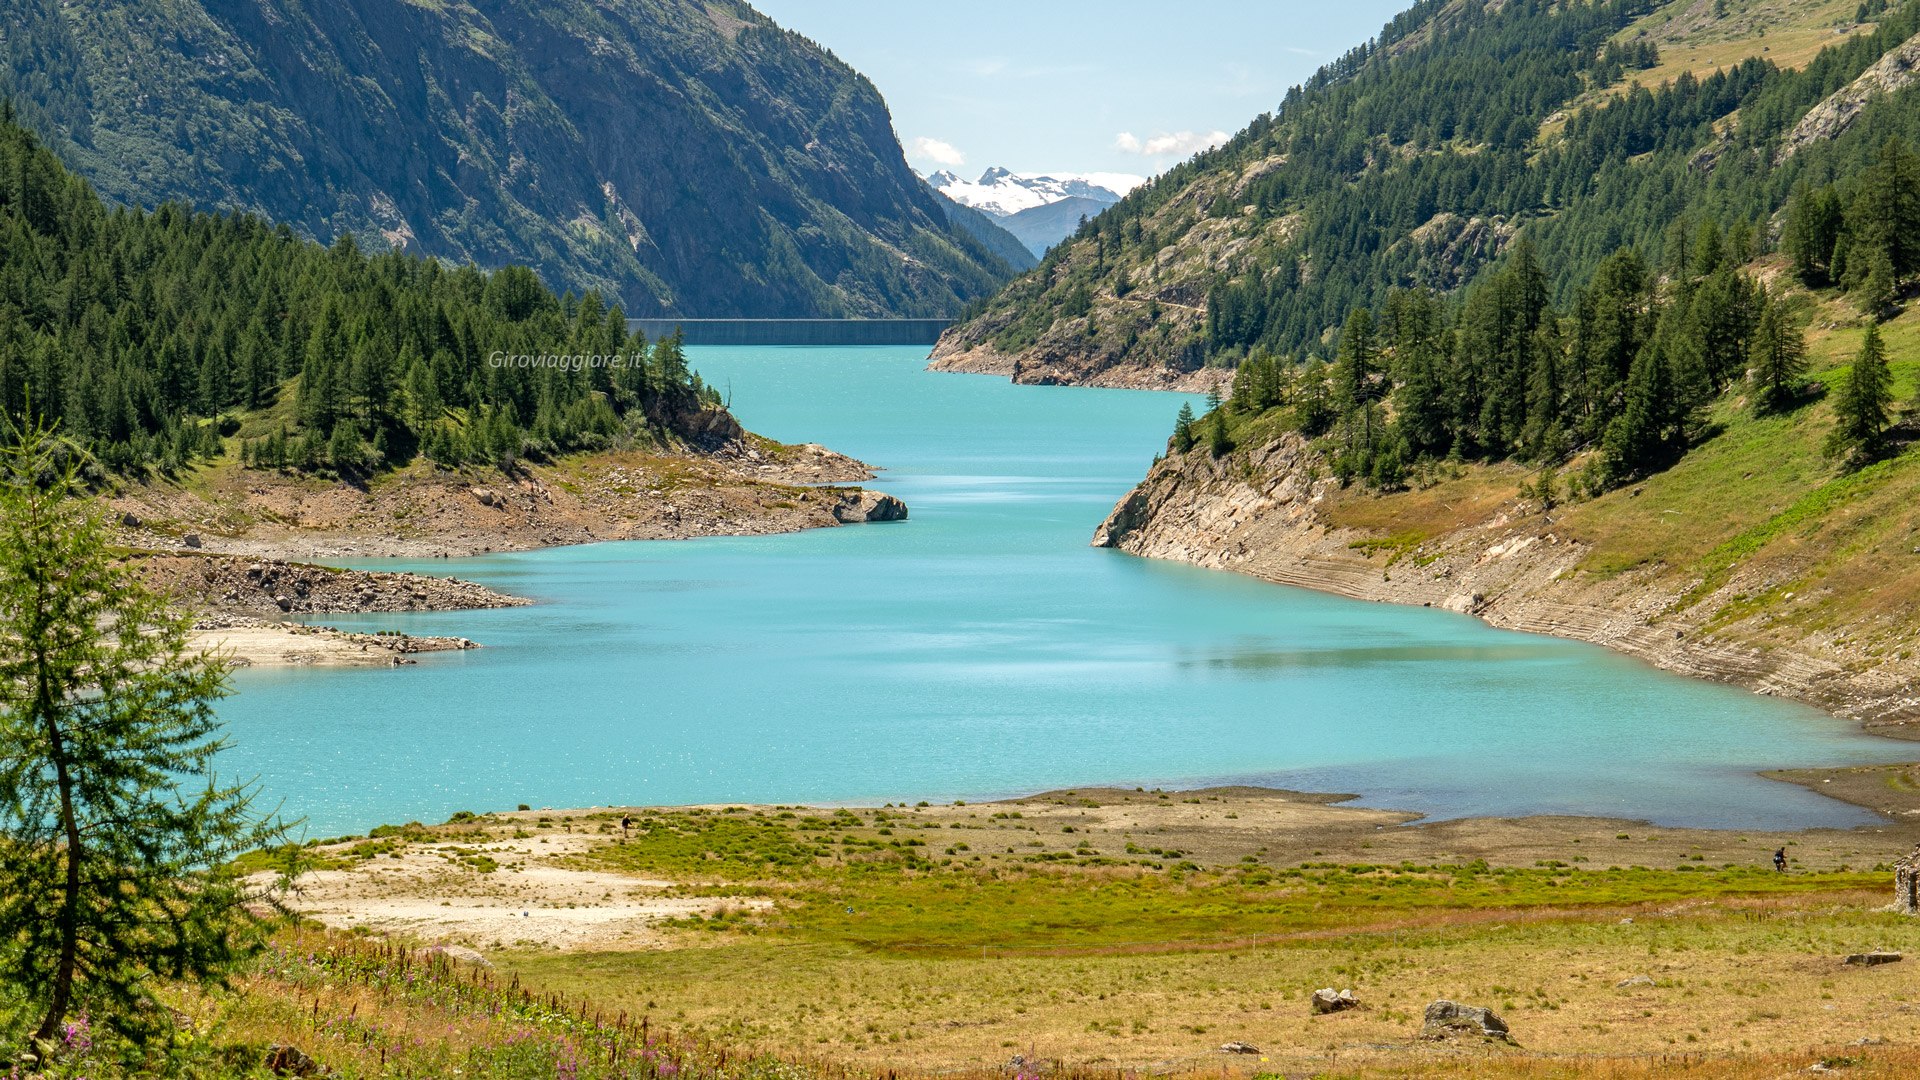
column 1037, row 368
column 1261, row 512
column 231, row 583
column 243, row 641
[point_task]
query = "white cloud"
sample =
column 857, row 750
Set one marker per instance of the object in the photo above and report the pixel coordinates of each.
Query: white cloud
column 938, row 152
column 1180, row 143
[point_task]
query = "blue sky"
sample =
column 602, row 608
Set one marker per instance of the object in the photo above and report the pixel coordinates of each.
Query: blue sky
column 1064, row 85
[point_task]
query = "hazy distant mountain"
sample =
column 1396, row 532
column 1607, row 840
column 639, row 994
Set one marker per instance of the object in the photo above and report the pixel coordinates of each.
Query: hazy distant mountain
column 1041, row 227
column 686, row 157
column 995, row 233
column 1028, row 203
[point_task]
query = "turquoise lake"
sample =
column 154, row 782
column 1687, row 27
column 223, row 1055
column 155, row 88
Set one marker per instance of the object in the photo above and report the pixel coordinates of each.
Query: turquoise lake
column 982, row 649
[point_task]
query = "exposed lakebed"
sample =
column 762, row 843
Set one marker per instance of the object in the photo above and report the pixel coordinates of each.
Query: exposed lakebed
column 983, row 649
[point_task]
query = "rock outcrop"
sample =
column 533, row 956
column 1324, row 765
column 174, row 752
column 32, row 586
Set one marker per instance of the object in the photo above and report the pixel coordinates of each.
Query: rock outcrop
column 1906, row 883
column 1329, row 1000
column 858, row 507
column 1451, row 1020
column 1895, row 71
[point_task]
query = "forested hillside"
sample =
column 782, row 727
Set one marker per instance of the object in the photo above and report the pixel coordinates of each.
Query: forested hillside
column 1414, row 162
column 144, row 335
column 1657, row 391
column 682, row 158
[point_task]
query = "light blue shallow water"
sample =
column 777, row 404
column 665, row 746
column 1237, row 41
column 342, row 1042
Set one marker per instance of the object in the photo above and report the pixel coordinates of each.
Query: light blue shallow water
column 982, row 648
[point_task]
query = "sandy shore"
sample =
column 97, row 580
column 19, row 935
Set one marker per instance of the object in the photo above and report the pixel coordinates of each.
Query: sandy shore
column 440, row 890
column 249, row 642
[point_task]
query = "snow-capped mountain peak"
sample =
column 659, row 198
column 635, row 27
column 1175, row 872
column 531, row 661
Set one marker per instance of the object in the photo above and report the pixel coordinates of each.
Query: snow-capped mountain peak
column 1003, row 193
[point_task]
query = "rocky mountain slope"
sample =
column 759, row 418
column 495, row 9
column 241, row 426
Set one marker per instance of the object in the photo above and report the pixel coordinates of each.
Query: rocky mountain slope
column 988, row 230
column 685, row 157
column 1418, row 158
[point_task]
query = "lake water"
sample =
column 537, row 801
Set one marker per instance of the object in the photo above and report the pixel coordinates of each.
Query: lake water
column 983, row 649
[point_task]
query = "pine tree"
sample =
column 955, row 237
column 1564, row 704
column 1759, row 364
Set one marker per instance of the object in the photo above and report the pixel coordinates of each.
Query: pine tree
column 1877, row 292
column 1354, row 369
column 1639, row 437
column 115, row 863
column 1861, row 412
column 1885, row 215
column 1778, row 357
column 1218, row 442
column 1183, row 428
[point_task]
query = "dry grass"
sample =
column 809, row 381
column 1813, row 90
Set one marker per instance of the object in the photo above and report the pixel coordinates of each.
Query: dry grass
column 1790, row 33
column 1726, row 980
column 1693, row 40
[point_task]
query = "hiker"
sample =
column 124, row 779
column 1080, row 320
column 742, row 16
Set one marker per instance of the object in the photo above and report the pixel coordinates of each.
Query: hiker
column 626, row 822
column 1780, row 860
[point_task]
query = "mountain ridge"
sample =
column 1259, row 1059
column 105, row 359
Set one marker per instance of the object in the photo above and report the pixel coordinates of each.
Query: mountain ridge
column 1416, row 159
column 684, row 158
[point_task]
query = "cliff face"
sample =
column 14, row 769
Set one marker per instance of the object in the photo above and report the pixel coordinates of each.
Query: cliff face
column 687, row 158
column 1266, row 511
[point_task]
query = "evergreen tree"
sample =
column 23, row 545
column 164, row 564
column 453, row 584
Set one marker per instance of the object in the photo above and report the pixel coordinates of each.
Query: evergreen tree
column 1861, row 412
column 1420, row 396
column 1183, row 428
column 1313, row 398
column 114, row 873
column 1877, row 292
column 1641, row 435
column 1814, row 220
column 1885, row 216
column 1353, row 380
column 1778, row 357
column 1218, row 442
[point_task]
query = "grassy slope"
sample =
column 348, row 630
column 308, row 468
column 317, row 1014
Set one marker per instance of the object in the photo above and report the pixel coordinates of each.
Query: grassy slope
column 1758, row 503
column 1788, row 32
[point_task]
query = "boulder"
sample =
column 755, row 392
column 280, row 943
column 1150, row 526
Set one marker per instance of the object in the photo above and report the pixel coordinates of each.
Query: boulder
column 1875, row 958
column 1329, row 1000
column 711, row 428
column 130, row 521
column 1239, row 1048
column 485, row 496
column 290, row 1061
column 856, row 507
column 1637, row 980
column 192, row 540
column 1451, row 1020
